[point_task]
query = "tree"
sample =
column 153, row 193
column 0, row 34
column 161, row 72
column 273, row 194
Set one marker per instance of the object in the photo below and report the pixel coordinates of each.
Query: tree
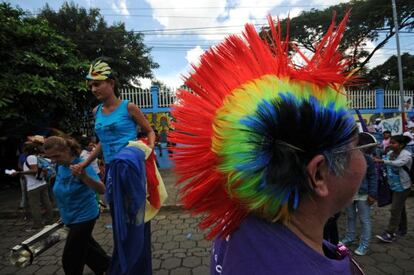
column 386, row 75
column 370, row 21
column 40, row 84
column 159, row 83
column 94, row 38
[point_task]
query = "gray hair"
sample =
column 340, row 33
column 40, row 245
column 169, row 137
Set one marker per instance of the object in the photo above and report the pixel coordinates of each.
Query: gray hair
column 337, row 159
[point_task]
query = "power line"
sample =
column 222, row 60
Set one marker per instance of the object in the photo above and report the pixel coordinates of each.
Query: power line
column 153, row 44
column 193, row 8
column 198, row 28
column 215, row 7
column 161, row 31
column 201, row 31
column 233, row 26
column 162, row 16
column 408, row 34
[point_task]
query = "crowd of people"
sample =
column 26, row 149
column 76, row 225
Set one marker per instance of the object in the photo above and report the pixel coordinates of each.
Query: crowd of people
column 388, row 165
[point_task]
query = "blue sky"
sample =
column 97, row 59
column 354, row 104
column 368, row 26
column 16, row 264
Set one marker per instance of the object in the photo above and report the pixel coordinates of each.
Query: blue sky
column 179, row 31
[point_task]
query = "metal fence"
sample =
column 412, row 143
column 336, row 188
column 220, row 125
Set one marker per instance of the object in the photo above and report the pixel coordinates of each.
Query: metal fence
column 166, row 97
column 357, row 99
column 362, row 99
column 141, row 97
column 392, row 98
column 368, row 99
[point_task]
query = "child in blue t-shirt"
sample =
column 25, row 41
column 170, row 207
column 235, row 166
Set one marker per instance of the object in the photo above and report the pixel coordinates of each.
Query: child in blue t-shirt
column 398, row 162
column 76, row 200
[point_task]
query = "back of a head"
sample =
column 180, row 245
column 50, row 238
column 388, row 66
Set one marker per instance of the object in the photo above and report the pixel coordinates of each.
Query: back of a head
column 62, row 143
column 262, row 123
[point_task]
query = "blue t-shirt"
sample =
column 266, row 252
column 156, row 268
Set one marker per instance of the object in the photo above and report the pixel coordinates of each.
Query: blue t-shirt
column 76, row 200
column 114, row 130
column 262, row 248
column 393, row 176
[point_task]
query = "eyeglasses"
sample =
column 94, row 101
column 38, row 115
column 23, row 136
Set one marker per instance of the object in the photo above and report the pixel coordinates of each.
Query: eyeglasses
column 360, row 147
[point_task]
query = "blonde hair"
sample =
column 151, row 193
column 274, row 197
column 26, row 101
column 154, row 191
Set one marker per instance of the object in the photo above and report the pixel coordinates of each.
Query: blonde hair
column 63, row 143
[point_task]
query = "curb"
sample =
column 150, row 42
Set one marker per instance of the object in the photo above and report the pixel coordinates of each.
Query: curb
column 172, row 207
column 19, row 213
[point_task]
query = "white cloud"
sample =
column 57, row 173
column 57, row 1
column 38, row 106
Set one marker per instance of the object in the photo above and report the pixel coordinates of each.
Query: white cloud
column 292, row 13
column 145, row 82
column 175, row 79
column 193, row 55
column 172, row 80
column 213, row 15
column 378, row 58
column 120, row 6
column 212, row 18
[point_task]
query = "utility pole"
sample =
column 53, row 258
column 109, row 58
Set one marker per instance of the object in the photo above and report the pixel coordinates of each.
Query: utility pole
column 400, row 73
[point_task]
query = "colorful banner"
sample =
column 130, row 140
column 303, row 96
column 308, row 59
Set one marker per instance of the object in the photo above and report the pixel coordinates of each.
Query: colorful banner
column 394, row 125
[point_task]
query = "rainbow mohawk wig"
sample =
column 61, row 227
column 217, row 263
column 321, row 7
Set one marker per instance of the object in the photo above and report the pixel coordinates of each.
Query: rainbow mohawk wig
column 252, row 109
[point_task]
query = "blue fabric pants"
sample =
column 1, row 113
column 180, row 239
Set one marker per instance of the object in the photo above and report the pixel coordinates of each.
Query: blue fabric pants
column 362, row 209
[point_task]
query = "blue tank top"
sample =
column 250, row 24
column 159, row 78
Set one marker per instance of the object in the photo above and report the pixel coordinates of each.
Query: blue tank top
column 114, row 130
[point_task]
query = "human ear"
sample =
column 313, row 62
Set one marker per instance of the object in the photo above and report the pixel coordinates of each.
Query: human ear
column 318, row 175
column 112, row 82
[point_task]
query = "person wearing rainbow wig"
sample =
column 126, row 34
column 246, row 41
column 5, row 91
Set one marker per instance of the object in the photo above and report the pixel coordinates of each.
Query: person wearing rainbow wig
column 267, row 152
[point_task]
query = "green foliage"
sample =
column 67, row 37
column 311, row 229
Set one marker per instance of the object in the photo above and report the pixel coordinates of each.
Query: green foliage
column 40, row 80
column 94, row 38
column 159, row 83
column 44, row 62
column 386, row 75
column 370, row 21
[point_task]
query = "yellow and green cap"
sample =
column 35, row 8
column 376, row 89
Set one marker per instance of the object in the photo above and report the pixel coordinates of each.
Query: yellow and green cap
column 99, row 70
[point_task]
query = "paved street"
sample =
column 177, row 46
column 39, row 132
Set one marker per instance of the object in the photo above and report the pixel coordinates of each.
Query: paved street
column 179, row 247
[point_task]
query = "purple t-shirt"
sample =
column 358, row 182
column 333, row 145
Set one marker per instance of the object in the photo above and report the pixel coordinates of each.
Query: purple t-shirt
column 258, row 247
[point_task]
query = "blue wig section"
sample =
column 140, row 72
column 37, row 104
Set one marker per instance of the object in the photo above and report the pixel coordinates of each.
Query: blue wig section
column 330, row 119
column 307, row 123
column 254, row 163
column 258, row 122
